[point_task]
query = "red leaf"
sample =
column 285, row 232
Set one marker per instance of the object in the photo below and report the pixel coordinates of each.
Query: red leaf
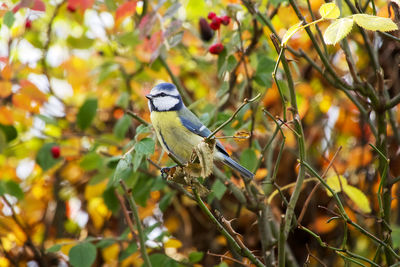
column 125, row 10
column 37, row 5
column 83, row 4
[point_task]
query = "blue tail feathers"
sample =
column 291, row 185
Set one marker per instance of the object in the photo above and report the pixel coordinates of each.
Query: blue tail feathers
column 237, row 167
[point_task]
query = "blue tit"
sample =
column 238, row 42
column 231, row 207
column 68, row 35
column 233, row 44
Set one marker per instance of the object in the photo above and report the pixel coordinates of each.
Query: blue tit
column 179, row 130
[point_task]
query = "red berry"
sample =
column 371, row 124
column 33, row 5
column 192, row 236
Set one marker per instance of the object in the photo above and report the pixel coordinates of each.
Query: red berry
column 215, row 23
column 55, row 152
column 216, row 48
column 226, row 20
column 28, row 24
column 211, row 15
column 71, row 8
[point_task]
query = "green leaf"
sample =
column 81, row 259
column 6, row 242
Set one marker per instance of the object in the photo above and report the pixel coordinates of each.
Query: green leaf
column 248, row 159
column 196, row 256
column 111, row 200
column 128, row 39
column 374, row 23
column 158, row 259
column 396, row 236
column 218, row 189
column 145, row 146
column 82, row 255
column 54, row 248
column 123, row 100
column 123, row 170
column 9, row 131
column 105, row 243
column 221, row 63
column 111, row 5
column 141, row 190
column 265, row 67
column 80, row 43
column 231, row 63
column 142, row 129
column 122, row 126
column 91, row 161
column 137, row 159
column 44, row 158
column 132, row 248
column 86, row 113
column 338, row 30
column 166, row 200
column 11, row 188
column 329, row 11
column 9, row 19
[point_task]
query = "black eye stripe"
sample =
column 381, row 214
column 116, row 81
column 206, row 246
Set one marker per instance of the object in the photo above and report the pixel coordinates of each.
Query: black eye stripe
column 164, row 94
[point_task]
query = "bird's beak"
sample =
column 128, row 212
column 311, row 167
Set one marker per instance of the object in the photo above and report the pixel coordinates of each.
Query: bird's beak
column 150, row 97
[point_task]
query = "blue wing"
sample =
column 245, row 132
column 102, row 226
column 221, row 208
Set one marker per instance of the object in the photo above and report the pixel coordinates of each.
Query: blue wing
column 193, row 124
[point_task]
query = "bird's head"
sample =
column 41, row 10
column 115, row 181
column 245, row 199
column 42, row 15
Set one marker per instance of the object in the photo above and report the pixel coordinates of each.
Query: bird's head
column 164, row 97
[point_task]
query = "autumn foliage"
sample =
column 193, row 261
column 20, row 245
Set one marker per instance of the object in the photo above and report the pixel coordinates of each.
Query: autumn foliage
column 316, row 87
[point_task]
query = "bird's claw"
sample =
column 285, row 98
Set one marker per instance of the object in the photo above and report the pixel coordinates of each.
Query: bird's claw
column 165, row 172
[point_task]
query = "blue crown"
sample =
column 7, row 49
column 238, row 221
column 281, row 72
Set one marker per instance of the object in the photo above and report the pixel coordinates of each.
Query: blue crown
column 165, row 86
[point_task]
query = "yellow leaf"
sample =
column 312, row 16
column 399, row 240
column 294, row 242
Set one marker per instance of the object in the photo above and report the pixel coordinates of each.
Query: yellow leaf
column 329, row 11
column 292, row 30
column 338, row 30
column 110, row 253
column 336, row 182
column 374, row 23
column 98, row 211
column 4, row 262
column 358, row 197
column 52, row 130
column 173, row 243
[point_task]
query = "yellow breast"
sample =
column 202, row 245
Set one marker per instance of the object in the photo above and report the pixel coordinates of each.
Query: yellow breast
column 173, row 136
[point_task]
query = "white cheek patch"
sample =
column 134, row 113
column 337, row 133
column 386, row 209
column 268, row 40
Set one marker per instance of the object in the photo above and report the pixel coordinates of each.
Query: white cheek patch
column 156, row 91
column 165, row 103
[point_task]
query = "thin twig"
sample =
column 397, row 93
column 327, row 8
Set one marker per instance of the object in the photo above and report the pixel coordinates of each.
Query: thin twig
column 135, row 215
column 126, row 215
column 244, row 251
column 137, row 117
column 307, row 202
column 245, row 102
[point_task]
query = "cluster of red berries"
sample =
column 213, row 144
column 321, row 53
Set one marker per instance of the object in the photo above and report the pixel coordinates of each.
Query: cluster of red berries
column 217, row 21
column 215, row 24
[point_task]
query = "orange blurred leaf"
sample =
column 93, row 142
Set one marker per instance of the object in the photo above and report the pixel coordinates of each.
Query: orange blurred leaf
column 321, row 226
column 6, row 73
column 5, row 89
column 30, row 90
column 6, row 116
column 21, row 101
column 83, row 4
column 125, row 10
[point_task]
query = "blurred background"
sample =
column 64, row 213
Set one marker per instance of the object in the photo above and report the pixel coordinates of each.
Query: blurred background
column 71, row 70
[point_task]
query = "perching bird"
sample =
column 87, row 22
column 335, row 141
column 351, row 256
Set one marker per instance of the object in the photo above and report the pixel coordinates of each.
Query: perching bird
column 179, row 130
